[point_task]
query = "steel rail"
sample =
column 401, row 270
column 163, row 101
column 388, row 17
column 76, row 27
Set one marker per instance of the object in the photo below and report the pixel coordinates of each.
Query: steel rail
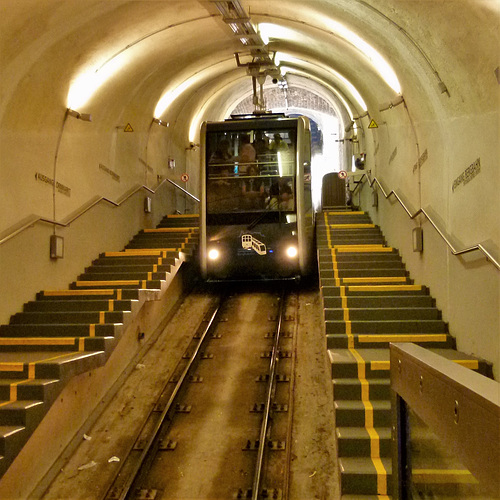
column 91, row 204
column 477, row 247
column 267, row 409
column 155, row 431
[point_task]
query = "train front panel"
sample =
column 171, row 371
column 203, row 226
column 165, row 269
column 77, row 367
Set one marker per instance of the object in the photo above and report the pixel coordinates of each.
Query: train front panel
column 253, row 198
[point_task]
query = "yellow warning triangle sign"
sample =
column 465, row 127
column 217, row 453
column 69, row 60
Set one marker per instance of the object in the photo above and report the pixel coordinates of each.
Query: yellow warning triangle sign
column 373, row 124
column 128, row 128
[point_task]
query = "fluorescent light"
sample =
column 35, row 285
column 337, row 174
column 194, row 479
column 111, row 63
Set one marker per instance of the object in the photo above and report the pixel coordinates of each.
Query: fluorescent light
column 314, row 66
column 274, row 31
column 381, row 65
column 88, row 82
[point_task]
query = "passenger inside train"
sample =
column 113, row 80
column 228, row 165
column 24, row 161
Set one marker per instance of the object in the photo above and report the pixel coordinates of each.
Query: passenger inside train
column 260, row 176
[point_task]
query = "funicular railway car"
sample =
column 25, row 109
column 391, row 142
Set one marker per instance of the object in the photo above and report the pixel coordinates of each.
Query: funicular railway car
column 257, row 219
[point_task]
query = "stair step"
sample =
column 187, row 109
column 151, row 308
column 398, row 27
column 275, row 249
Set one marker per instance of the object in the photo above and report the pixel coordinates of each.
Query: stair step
column 373, row 290
column 356, row 265
column 118, row 275
column 357, row 441
column 345, row 255
column 123, row 284
column 160, row 243
column 366, row 497
column 334, row 241
column 61, row 330
column 110, row 294
column 374, row 302
column 56, row 317
column 367, row 281
column 38, row 389
column 22, row 413
column 133, row 260
column 80, row 305
column 365, row 476
column 352, row 388
column 382, row 313
column 128, row 268
column 12, row 438
column 351, row 273
column 70, row 344
column 387, row 326
column 343, row 341
column 375, row 362
column 350, row 413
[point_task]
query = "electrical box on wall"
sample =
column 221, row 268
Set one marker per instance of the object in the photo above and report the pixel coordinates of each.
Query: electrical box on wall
column 418, row 239
column 56, row 247
column 147, row 204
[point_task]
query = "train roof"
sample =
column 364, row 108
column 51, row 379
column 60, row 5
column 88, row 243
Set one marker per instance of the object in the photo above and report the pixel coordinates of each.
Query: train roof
column 247, row 122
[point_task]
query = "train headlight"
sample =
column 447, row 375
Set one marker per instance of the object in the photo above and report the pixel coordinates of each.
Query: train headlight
column 292, row 252
column 213, row 254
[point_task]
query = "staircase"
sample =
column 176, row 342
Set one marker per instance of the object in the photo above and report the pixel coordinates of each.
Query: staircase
column 64, row 333
column 369, row 301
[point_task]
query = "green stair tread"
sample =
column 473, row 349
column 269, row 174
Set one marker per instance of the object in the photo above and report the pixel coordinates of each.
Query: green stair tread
column 68, row 317
column 20, row 405
column 69, row 306
column 352, row 404
column 31, row 382
column 365, row 497
column 355, row 381
column 369, row 355
column 9, row 430
column 362, row 433
column 54, row 357
column 362, row 465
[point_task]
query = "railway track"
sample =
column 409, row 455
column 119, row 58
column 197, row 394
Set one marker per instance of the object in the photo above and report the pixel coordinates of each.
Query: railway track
column 221, row 426
column 209, row 444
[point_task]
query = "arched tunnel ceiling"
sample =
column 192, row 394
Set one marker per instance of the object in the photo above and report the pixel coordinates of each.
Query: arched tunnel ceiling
column 109, row 54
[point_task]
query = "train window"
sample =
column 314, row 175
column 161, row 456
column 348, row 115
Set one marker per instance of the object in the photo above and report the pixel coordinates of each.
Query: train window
column 250, row 170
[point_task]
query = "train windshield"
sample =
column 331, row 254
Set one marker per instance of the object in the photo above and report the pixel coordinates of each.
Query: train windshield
column 251, row 170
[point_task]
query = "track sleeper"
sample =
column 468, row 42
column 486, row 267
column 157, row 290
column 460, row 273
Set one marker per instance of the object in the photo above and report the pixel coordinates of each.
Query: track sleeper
column 167, row 445
column 145, row 494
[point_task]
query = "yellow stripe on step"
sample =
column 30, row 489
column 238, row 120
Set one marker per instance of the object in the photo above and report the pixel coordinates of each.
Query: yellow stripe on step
column 345, row 213
column 171, row 230
column 375, row 279
column 69, row 293
column 31, row 341
column 381, row 476
column 359, row 249
column 11, row 367
column 352, row 226
column 107, row 283
column 383, row 288
column 410, row 337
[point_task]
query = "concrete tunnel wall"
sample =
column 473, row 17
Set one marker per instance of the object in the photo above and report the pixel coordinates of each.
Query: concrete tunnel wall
column 420, row 149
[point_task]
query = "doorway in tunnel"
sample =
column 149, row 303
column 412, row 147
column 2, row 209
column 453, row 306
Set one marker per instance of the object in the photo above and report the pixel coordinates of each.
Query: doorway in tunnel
column 326, row 149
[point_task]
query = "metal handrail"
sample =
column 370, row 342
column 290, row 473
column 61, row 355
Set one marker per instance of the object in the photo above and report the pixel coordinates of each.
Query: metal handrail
column 183, row 190
column 34, row 219
column 450, row 245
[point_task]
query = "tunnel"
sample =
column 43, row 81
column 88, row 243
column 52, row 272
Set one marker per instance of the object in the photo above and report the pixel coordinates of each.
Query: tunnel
column 102, row 105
